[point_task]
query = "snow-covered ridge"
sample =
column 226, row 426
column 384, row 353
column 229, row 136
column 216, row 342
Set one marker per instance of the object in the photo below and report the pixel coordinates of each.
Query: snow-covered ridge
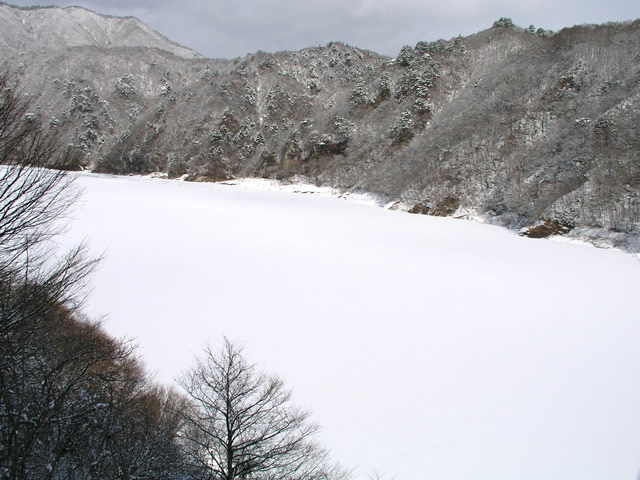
column 29, row 29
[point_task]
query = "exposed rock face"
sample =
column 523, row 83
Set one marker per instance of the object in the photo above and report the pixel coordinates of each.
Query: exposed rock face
column 547, row 229
column 420, row 209
column 518, row 126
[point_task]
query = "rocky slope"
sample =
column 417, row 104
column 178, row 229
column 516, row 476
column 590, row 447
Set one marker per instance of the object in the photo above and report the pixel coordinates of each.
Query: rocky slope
column 521, row 127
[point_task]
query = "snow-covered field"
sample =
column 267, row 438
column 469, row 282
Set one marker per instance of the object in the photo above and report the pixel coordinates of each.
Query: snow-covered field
column 426, row 347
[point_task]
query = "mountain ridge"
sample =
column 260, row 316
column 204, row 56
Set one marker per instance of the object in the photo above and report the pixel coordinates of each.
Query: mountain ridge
column 522, row 127
column 27, row 28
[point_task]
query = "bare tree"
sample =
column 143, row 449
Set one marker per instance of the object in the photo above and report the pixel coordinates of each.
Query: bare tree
column 74, row 403
column 241, row 423
column 35, row 188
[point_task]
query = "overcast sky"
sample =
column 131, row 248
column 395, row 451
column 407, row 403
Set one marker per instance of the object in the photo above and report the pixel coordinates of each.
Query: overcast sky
column 231, row 28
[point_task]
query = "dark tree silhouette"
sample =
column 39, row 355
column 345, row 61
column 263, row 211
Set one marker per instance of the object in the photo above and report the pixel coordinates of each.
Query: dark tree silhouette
column 241, row 423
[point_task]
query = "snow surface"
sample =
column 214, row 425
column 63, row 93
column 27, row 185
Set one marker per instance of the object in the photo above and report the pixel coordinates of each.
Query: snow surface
column 426, row 347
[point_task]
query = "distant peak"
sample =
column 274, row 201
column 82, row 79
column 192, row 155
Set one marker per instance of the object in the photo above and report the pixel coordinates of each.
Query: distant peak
column 63, row 27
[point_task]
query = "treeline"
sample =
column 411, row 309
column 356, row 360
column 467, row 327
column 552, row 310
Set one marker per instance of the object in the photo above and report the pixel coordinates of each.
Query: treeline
column 76, row 403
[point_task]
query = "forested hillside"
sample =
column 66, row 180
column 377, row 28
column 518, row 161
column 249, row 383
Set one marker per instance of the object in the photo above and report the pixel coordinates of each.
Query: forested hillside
column 517, row 126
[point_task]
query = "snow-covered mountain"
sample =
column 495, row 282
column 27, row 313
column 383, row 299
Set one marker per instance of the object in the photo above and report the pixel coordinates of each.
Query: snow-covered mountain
column 53, row 28
column 521, row 127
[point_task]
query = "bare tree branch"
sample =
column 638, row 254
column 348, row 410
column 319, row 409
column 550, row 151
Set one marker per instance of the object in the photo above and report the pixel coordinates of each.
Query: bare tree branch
column 241, row 423
column 35, row 188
